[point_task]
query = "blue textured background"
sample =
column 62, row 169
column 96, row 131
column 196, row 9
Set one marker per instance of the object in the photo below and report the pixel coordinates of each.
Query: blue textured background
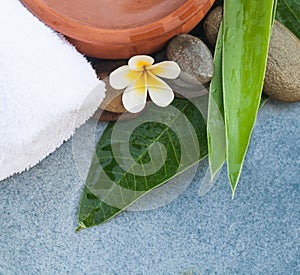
column 256, row 233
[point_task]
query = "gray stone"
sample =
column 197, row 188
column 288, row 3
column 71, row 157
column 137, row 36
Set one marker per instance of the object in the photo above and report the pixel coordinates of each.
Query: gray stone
column 192, row 56
column 160, row 56
column 104, row 67
column 211, row 25
column 282, row 79
column 113, row 98
column 186, row 86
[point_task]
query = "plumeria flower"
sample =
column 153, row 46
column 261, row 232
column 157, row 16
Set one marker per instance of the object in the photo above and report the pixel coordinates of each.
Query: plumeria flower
column 140, row 76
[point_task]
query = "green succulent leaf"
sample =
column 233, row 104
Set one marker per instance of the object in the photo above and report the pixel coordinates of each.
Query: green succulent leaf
column 216, row 137
column 288, row 13
column 246, row 34
column 133, row 157
column 215, row 120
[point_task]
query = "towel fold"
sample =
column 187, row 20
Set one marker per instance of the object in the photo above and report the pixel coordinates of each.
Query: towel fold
column 47, row 89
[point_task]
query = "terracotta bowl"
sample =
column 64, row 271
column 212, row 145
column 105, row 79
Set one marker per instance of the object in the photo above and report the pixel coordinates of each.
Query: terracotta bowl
column 116, row 29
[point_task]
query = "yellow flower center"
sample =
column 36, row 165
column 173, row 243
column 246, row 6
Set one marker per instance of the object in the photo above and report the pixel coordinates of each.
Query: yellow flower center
column 143, row 64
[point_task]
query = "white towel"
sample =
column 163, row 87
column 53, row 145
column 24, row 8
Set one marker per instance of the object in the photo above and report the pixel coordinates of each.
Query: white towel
column 47, row 89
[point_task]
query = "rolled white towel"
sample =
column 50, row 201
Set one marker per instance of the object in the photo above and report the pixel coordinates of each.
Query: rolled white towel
column 47, row 89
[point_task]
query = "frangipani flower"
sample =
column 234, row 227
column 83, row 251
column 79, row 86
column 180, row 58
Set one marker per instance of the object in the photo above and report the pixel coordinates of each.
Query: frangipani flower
column 140, row 76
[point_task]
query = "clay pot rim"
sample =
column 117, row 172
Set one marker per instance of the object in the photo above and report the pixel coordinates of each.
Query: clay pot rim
column 90, row 34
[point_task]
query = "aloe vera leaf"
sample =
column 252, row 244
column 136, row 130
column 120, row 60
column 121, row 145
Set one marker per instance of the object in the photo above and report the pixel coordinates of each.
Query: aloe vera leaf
column 215, row 120
column 247, row 29
column 216, row 138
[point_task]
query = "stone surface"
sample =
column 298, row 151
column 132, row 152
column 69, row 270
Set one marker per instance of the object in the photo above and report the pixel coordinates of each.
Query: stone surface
column 160, row 56
column 113, row 98
column 211, row 25
column 103, row 115
column 104, row 67
column 192, row 56
column 186, row 87
column 282, row 79
column 256, row 233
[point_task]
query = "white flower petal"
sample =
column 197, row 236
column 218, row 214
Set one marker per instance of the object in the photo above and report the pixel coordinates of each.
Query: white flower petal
column 139, row 62
column 166, row 69
column 135, row 96
column 123, row 77
column 159, row 91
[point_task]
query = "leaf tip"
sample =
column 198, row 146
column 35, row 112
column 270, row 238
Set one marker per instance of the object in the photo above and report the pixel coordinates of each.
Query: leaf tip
column 232, row 194
column 212, row 175
column 80, row 227
column 233, row 184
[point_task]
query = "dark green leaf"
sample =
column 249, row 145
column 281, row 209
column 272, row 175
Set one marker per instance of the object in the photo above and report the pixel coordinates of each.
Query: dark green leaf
column 288, row 13
column 133, row 157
